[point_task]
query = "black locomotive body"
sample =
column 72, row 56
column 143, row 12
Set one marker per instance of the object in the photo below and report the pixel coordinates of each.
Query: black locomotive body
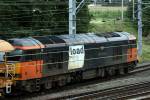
column 48, row 61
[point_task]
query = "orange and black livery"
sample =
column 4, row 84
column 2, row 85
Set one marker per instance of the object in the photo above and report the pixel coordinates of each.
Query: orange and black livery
column 43, row 62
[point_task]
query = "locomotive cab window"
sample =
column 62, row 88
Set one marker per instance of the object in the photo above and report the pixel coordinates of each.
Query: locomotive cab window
column 132, row 41
column 2, row 56
column 15, row 55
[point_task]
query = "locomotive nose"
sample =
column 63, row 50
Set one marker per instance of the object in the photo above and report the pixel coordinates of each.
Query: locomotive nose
column 5, row 69
column 5, row 46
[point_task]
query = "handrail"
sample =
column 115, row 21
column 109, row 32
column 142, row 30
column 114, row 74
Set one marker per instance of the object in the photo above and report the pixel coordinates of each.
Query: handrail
column 10, row 70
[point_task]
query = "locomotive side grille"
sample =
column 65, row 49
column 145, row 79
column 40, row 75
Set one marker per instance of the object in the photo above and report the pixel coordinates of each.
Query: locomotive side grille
column 44, row 40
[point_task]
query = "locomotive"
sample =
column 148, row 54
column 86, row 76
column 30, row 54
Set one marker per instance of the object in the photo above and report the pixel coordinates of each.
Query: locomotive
column 42, row 62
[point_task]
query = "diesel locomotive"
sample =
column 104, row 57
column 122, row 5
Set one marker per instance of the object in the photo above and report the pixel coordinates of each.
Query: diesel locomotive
column 42, row 62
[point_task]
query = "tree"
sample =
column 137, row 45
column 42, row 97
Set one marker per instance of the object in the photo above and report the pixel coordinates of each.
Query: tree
column 39, row 16
column 146, row 16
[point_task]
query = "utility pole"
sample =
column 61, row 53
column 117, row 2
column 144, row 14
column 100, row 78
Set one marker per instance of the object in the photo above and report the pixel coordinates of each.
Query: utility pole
column 95, row 2
column 122, row 12
column 110, row 1
column 139, row 27
column 133, row 10
column 73, row 10
column 72, row 17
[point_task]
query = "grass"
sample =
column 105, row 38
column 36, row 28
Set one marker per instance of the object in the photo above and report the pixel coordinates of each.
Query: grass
column 99, row 25
column 146, row 52
column 107, row 19
column 105, row 8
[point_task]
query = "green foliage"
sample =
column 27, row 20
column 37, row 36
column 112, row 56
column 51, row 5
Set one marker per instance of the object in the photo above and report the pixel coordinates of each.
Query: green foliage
column 146, row 19
column 103, row 23
column 146, row 16
column 39, row 16
column 107, row 19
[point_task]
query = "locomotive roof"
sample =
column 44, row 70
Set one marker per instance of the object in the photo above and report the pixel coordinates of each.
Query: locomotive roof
column 26, row 43
column 5, row 46
column 82, row 38
column 62, row 40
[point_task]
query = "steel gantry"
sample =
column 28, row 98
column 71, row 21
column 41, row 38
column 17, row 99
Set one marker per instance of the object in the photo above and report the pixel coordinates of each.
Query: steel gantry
column 73, row 10
column 140, row 27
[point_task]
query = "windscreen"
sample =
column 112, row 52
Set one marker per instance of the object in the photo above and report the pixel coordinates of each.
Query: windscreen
column 15, row 55
column 2, row 56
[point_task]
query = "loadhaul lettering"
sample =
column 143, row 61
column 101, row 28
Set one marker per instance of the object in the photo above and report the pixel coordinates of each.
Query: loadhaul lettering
column 77, row 51
column 76, row 57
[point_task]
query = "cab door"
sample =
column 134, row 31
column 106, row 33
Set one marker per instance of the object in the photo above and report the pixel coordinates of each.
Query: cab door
column 31, row 67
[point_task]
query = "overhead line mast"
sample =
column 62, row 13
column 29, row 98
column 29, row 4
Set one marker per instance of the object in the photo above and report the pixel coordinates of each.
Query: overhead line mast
column 73, row 10
column 140, row 27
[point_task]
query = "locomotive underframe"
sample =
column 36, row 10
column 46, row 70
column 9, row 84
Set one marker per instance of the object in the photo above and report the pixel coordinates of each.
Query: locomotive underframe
column 74, row 76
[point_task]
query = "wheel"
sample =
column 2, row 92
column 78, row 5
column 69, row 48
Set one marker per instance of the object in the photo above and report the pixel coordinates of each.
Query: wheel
column 102, row 73
column 126, row 70
column 111, row 72
column 121, row 71
column 48, row 85
column 117, row 72
column 62, row 82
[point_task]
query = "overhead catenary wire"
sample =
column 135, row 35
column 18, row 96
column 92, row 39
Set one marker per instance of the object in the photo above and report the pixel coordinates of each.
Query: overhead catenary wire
column 38, row 3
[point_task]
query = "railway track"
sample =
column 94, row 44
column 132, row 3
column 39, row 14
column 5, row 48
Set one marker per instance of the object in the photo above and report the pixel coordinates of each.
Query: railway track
column 141, row 67
column 120, row 92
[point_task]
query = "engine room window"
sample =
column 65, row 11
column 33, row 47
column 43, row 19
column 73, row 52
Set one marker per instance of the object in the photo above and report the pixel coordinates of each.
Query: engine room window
column 117, row 51
column 132, row 41
column 31, row 55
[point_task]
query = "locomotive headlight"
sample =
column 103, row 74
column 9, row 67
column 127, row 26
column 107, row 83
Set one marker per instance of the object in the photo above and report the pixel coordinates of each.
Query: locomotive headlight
column 132, row 37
